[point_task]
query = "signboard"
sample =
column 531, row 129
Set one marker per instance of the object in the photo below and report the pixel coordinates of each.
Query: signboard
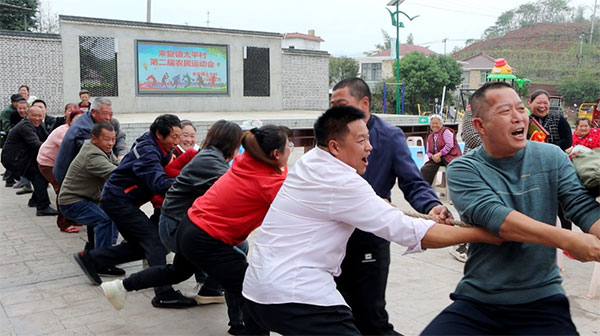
column 181, row 68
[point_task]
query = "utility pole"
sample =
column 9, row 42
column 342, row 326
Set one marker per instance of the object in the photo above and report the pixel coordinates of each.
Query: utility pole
column 148, row 10
column 445, row 40
column 207, row 18
column 593, row 20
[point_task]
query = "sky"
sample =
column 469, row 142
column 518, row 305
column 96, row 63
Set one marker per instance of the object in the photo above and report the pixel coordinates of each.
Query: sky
column 349, row 27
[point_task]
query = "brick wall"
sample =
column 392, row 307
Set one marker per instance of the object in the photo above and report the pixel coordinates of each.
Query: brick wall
column 35, row 60
column 305, row 79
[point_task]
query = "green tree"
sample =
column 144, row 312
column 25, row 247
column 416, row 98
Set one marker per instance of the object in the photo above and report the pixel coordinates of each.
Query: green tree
column 579, row 88
column 340, row 68
column 553, row 11
column 410, row 39
column 425, row 77
column 11, row 16
column 387, row 44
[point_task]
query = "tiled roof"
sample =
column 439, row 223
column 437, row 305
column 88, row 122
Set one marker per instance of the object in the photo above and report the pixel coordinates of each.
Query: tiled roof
column 303, row 36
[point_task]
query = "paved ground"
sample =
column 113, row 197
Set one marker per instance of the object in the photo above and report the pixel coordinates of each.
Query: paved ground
column 43, row 291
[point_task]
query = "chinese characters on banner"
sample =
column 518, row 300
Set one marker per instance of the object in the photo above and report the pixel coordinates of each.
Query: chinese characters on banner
column 176, row 68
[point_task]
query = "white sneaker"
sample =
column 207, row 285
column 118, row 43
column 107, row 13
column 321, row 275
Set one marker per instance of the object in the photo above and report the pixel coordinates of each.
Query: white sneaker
column 459, row 252
column 115, row 293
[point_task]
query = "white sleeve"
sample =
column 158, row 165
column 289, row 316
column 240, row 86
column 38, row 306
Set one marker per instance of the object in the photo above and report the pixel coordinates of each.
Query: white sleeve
column 357, row 204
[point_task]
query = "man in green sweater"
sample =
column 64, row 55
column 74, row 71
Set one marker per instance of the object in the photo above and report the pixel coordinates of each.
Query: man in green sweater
column 80, row 191
column 513, row 188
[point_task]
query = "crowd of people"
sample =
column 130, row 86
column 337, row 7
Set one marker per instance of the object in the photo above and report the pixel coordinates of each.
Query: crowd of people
column 321, row 258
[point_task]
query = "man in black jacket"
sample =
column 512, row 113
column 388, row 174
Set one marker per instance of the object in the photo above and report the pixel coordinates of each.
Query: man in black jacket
column 20, row 153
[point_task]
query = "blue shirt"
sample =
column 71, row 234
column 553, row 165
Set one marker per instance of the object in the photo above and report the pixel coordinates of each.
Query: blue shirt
column 391, row 159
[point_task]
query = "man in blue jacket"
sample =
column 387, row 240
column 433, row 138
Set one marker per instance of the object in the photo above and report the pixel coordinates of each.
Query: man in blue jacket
column 366, row 265
column 139, row 176
column 81, row 130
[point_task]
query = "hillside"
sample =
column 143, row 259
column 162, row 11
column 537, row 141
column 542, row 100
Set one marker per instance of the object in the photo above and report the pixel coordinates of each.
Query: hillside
column 543, row 52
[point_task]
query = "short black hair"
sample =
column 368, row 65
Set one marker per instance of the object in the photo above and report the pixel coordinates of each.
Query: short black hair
column 16, row 97
column 99, row 126
column 224, row 135
column 24, row 86
column 578, row 120
column 164, row 124
column 333, row 124
column 478, row 100
column 358, row 88
column 40, row 101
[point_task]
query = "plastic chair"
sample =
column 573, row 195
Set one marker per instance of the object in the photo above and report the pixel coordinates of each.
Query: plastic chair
column 440, row 183
column 414, row 141
column 417, row 153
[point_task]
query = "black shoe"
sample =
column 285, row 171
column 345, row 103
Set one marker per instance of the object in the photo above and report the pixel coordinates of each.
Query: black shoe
column 173, row 299
column 111, row 270
column 47, row 211
column 9, row 184
column 87, row 265
column 237, row 329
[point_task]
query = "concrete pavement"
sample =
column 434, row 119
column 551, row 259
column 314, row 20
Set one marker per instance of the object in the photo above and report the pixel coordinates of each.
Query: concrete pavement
column 43, row 291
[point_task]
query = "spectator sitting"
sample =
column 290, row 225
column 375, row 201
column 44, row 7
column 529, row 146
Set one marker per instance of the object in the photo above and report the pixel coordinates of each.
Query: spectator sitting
column 46, row 158
column 80, row 191
column 442, row 148
column 19, row 155
column 584, row 135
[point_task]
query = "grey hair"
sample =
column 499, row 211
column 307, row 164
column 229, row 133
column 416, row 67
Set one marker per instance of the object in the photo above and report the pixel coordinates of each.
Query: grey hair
column 436, row 116
column 100, row 101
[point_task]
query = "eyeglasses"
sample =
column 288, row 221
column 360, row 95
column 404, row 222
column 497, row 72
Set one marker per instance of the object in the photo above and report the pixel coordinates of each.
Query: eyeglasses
column 291, row 145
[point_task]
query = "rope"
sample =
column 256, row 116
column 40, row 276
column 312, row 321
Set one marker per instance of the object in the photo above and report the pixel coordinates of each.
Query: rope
column 454, row 222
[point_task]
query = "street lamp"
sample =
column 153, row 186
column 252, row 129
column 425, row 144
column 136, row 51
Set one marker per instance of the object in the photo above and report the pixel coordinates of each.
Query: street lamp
column 396, row 23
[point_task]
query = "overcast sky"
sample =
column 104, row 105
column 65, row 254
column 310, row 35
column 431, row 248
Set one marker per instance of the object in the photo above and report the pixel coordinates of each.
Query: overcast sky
column 349, row 27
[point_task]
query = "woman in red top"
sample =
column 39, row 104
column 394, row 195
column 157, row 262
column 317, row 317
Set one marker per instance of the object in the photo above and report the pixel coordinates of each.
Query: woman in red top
column 219, row 220
column 584, row 135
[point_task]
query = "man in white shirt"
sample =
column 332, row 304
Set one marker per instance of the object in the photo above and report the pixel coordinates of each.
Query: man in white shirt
column 289, row 285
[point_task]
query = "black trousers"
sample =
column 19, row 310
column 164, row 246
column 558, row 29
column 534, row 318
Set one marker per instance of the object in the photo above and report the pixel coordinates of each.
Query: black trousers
column 141, row 239
column 363, row 282
column 465, row 316
column 40, row 186
column 429, row 169
column 303, row 319
column 197, row 249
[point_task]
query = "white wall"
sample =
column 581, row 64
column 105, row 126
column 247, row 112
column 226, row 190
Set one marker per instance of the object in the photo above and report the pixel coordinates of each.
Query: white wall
column 127, row 32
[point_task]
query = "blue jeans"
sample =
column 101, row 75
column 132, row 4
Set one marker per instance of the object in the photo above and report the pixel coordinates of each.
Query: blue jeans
column 89, row 213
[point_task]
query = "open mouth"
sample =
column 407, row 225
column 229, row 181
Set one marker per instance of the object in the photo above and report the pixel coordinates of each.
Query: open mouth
column 365, row 161
column 518, row 132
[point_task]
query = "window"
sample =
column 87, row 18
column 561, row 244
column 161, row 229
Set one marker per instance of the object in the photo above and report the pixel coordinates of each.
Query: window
column 371, row 71
column 484, row 75
column 98, row 66
column 257, row 78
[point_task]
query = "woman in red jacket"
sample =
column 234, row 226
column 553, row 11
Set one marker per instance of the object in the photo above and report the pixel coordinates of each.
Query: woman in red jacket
column 221, row 219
